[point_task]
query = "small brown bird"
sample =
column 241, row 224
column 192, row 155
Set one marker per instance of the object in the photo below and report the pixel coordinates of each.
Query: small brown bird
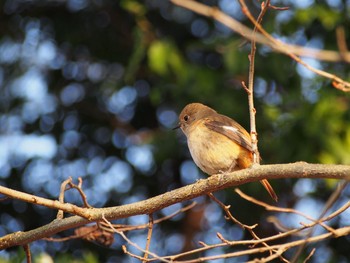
column 216, row 142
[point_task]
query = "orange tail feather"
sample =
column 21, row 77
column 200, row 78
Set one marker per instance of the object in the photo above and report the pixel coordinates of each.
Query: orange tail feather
column 269, row 189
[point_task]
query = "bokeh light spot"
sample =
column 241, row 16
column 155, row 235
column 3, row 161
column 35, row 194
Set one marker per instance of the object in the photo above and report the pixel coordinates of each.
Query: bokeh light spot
column 189, row 172
column 141, row 157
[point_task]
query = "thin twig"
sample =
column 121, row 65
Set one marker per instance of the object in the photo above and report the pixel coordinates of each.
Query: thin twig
column 149, row 236
column 55, row 204
column 280, row 209
column 64, row 184
column 336, row 81
column 344, row 231
column 310, row 255
column 26, row 248
column 246, row 32
column 331, row 200
column 75, row 236
column 252, row 110
column 125, row 228
column 341, row 42
column 277, row 45
column 132, row 243
column 4, row 198
column 277, row 254
column 254, row 242
column 230, row 216
column 81, row 192
column 226, row 208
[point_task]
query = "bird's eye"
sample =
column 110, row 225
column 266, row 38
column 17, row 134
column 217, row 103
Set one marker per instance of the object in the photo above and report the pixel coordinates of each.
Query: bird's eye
column 186, row 117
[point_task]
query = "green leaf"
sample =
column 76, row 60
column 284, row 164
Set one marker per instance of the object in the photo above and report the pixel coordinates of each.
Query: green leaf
column 164, row 58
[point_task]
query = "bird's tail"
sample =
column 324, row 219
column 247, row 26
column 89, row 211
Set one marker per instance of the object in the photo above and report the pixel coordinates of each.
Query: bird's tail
column 269, row 189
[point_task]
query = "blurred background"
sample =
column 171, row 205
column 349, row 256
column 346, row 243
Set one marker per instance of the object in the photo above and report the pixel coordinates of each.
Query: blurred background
column 93, row 88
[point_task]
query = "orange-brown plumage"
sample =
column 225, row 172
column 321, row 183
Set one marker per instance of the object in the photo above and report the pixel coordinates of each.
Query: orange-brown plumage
column 216, row 142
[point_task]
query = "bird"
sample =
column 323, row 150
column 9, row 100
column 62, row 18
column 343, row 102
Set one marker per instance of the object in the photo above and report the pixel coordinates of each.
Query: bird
column 217, row 143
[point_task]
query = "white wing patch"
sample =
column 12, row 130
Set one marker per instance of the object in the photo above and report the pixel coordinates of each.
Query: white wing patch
column 230, row 128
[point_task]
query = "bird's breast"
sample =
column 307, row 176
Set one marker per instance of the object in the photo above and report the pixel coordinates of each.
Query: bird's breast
column 213, row 152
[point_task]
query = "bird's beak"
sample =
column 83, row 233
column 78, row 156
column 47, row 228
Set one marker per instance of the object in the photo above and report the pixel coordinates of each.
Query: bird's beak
column 176, row 127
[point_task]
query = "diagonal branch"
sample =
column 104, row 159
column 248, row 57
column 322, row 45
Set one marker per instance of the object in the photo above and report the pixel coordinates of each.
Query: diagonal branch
column 265, row 38
column 202, row 187
column 55, row 204
column 246, row 32
column 281, row 248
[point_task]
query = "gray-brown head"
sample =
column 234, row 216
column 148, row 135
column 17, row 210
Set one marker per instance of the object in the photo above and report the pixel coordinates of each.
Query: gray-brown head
column 193, row 112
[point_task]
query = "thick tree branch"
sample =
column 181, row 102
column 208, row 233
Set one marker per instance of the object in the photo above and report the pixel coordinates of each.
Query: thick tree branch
column 201, row 187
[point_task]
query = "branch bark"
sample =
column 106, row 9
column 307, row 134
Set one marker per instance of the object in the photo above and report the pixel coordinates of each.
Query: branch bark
column 267, row 39
column 246, row 32
column 201, row 187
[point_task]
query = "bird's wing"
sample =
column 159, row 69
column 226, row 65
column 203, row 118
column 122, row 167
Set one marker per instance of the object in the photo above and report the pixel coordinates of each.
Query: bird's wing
column 231, row 129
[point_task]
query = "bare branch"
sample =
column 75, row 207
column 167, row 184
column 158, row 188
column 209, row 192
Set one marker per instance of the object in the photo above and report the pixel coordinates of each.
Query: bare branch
column 246, row 32
column 341, row 41
column 252, row 110
column 310, row 255
column 26, row 248
column 344, row 231
column 201, row 187
column 331, row 200
column 55, row 204
column 149, row 236
column 146, row 252
column 60, row 214
column 265, row 38
column 277, row 250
